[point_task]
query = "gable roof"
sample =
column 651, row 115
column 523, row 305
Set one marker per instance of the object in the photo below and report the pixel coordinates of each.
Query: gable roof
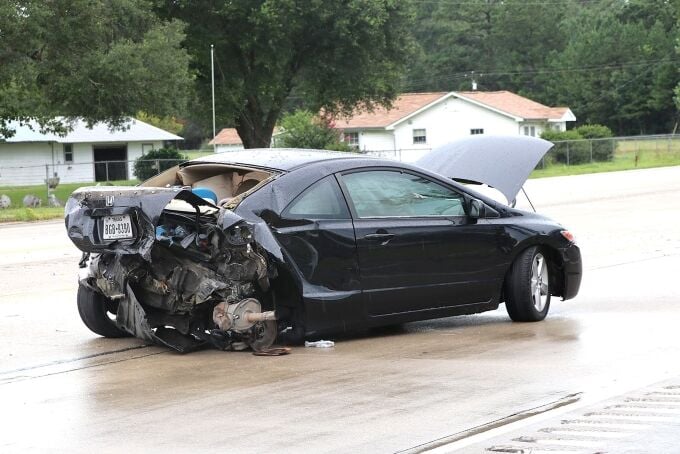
column 403, row 106
column 515, row 105
column 137, row 131
column 409, row 104
column 227, row 136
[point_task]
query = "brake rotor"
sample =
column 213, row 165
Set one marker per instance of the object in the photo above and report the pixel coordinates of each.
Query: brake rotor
column 263, row 335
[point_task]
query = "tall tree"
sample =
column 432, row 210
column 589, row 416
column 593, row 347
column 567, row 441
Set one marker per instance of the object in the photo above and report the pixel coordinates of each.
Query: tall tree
column 619, row 67
column 331, row 55
column 455, row 38
column 501, row 44
column 612, row 61
column 97, row 60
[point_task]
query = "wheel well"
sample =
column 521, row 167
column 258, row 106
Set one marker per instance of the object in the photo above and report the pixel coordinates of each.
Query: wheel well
column 287, row 298
column 555, row 269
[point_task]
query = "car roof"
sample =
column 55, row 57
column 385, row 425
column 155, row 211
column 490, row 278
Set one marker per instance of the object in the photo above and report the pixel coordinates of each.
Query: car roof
column 282, row 159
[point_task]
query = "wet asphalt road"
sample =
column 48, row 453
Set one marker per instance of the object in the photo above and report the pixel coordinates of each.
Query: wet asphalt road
column 64, row 389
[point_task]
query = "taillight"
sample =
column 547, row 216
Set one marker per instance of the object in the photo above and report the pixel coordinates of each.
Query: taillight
column 568, row 236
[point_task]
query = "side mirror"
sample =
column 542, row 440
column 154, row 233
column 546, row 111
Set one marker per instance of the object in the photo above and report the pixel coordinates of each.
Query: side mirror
column 480, row 210
column 477, row 209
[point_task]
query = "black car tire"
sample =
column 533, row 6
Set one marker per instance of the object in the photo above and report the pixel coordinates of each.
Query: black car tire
column 519, row 297
column 93, row 309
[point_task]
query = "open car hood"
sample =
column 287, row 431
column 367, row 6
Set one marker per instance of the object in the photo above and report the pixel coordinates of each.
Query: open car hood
column 502, row 162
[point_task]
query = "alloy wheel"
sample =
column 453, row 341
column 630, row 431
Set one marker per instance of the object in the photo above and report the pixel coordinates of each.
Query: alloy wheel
column 539, row 282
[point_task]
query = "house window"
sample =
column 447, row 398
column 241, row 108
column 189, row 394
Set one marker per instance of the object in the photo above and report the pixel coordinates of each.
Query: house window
column 351, row 138
column 68, row 153
column 476, row 131
column 419, row 136
column 530, row 131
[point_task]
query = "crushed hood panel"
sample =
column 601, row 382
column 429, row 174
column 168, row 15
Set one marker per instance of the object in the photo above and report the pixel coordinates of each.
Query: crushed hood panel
column 502, row 162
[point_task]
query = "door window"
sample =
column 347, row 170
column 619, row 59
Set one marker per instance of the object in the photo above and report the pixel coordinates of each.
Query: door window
column 386, row 193
column 322, row 200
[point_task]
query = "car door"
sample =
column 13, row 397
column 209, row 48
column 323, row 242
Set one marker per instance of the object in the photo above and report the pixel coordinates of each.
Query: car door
column 317, row 235
column 417, row 249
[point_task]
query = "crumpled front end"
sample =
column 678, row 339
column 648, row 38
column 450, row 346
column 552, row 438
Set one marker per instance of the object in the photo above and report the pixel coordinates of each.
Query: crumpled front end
column 179, row 271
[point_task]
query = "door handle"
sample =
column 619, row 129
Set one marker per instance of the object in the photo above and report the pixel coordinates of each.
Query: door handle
column 379, row 236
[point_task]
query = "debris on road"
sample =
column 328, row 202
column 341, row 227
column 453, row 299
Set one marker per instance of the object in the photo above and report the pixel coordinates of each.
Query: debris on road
column 320, row 344
column 273, row 351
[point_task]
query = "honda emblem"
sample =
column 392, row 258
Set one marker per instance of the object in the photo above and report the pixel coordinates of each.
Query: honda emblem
column 109, row 200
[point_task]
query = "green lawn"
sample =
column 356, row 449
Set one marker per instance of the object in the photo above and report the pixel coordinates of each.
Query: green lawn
column 628, row 156
column 17, row 212
column 193, row 154
column 17, row 193
column 30, row 214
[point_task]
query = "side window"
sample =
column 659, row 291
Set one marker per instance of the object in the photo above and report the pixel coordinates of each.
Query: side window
column 322, row 200
column 386, row 193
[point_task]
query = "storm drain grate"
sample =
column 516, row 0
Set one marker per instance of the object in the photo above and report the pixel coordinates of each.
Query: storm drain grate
column 592, row 431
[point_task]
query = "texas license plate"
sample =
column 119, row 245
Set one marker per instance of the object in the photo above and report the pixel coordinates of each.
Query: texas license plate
column 117, row 227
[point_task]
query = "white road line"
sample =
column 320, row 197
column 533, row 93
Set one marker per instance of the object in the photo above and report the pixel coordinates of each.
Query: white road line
column 587, row 433
column 636, row 402
column 628, row 417
column 628, row 425
column 561, row 442
column 635, row 408
column 514, row 449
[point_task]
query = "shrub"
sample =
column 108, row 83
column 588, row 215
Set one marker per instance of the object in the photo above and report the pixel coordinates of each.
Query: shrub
column 145, row 166
column 578, row 146
column 303, row 129
column 569, row 147
column 603, row 150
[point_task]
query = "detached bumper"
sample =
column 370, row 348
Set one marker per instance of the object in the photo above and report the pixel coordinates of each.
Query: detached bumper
column 573, row 270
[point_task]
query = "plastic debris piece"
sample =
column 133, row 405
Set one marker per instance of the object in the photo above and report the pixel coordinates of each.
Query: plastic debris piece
column 187, row 240
column 320, row 344
column 274, row 351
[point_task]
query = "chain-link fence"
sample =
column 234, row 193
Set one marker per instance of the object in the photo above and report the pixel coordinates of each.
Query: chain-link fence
column 664, row 149
column 82, row 172
column 636, row 149
column 402, row 154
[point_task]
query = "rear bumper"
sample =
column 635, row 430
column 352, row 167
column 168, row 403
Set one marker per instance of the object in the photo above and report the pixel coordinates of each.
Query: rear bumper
column 572, row 269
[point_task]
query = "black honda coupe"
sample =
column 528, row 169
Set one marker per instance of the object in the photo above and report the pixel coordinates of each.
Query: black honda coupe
column 234, row 249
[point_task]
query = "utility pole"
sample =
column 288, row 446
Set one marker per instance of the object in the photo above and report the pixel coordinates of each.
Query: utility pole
column 212, row 74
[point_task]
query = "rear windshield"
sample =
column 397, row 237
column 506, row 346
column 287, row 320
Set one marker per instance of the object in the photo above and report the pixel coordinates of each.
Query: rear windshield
column 222, row 184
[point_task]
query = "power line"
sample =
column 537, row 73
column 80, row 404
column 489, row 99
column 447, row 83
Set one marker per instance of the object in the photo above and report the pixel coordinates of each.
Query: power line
column 502, row 3
column 536, row 71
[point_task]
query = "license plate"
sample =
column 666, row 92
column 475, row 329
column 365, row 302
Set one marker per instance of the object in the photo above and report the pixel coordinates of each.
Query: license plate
column 117, row 227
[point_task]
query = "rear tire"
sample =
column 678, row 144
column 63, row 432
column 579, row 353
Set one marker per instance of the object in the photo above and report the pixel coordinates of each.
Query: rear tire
column 527, row 287
column 96, row 311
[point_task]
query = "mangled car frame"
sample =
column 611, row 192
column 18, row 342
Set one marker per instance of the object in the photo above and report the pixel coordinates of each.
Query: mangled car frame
column 234, row 249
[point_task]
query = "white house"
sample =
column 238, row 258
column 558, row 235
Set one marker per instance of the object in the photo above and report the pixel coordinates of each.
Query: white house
column 83, row 155
column 227, row 140
column 419, row 122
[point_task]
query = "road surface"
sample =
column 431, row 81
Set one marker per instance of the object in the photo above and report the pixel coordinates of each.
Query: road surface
column 462, row 383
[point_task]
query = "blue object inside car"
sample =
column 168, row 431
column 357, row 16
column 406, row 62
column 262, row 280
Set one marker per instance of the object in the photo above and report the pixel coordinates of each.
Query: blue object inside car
column 205, row 193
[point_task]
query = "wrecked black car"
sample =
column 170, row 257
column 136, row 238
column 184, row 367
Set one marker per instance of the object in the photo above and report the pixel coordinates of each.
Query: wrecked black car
column 234, row 249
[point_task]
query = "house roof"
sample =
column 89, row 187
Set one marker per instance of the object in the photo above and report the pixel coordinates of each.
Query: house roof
column 227, row 136
column 137, row 131
column 514, row 104
column 408, row 104
column 403, row 106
